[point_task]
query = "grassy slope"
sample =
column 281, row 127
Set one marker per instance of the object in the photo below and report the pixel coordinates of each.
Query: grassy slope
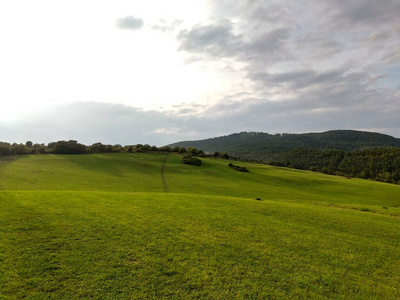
column 272, row 183
column 73, row 226
column 100, row 172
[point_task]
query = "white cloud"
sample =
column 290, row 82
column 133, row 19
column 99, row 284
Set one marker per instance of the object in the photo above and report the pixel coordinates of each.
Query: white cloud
column 130, row 23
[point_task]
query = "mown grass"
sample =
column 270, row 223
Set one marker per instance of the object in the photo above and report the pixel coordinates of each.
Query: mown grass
column 281, row 184
column 98, row 238
column 99, row 172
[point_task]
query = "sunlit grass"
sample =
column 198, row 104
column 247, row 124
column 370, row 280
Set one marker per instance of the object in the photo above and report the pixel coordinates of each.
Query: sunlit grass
column 101, row 234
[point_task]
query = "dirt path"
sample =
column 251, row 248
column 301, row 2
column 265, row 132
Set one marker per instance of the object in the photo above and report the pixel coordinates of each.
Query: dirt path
column 164, row 181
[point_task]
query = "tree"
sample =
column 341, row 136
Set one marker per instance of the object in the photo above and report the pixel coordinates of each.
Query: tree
column 182, row 150
column 193, row 150
column 145, row 148
column 70, row 147
column 5, row 149
column 166, row 149
column 18, row 149
column 97, row 148
column 51, row 145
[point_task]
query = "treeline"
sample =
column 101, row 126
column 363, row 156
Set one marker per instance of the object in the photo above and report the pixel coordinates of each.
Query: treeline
column 73, row 147
column 246, row 144
column 381, row 164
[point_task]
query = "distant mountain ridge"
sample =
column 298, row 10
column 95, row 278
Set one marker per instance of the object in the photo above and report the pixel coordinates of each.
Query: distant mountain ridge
column 245, row 144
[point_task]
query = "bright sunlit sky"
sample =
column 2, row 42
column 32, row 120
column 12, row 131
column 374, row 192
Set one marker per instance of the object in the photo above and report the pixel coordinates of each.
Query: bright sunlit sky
column 162, row 71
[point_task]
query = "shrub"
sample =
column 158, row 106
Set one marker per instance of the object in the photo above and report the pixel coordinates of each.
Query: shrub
column 190, row 160
column 238, row 168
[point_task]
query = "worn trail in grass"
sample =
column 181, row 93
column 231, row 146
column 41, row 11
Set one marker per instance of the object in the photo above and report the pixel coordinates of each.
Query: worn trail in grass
column 164, row 181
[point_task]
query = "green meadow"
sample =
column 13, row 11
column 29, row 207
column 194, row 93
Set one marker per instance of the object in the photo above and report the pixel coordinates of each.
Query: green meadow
column 114, row 226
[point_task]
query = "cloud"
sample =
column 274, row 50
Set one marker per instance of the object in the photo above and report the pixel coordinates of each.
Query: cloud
column 130, row 23
column 393, row 56
column 266, row 33
column 297, row 79
column 327, row 64
column 165, row 26
column 366, row 12
column 219, row 40
column 216, row 40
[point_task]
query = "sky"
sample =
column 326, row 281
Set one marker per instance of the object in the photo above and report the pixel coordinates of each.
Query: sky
column 158, row 72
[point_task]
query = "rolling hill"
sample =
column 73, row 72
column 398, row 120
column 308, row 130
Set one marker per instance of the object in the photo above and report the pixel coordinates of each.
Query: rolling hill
column 244, row 143
column 144, row 225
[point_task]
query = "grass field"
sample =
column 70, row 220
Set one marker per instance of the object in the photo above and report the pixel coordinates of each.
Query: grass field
column 102, row 226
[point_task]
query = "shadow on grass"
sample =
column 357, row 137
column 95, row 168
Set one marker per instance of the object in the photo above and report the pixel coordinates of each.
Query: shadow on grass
column 9, row 158
column 115, row 164
column 97, row 163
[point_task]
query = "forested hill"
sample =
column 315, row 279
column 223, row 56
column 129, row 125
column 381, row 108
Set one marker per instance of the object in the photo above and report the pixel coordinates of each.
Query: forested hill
column 247, row 143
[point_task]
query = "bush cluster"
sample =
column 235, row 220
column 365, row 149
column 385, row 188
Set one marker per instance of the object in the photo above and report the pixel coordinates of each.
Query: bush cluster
column 191, row 160
column 238, row 168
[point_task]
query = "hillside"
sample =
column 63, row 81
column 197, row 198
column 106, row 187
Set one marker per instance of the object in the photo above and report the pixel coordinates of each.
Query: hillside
column 340, row 152
column 247, row 143
column 105, row 226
